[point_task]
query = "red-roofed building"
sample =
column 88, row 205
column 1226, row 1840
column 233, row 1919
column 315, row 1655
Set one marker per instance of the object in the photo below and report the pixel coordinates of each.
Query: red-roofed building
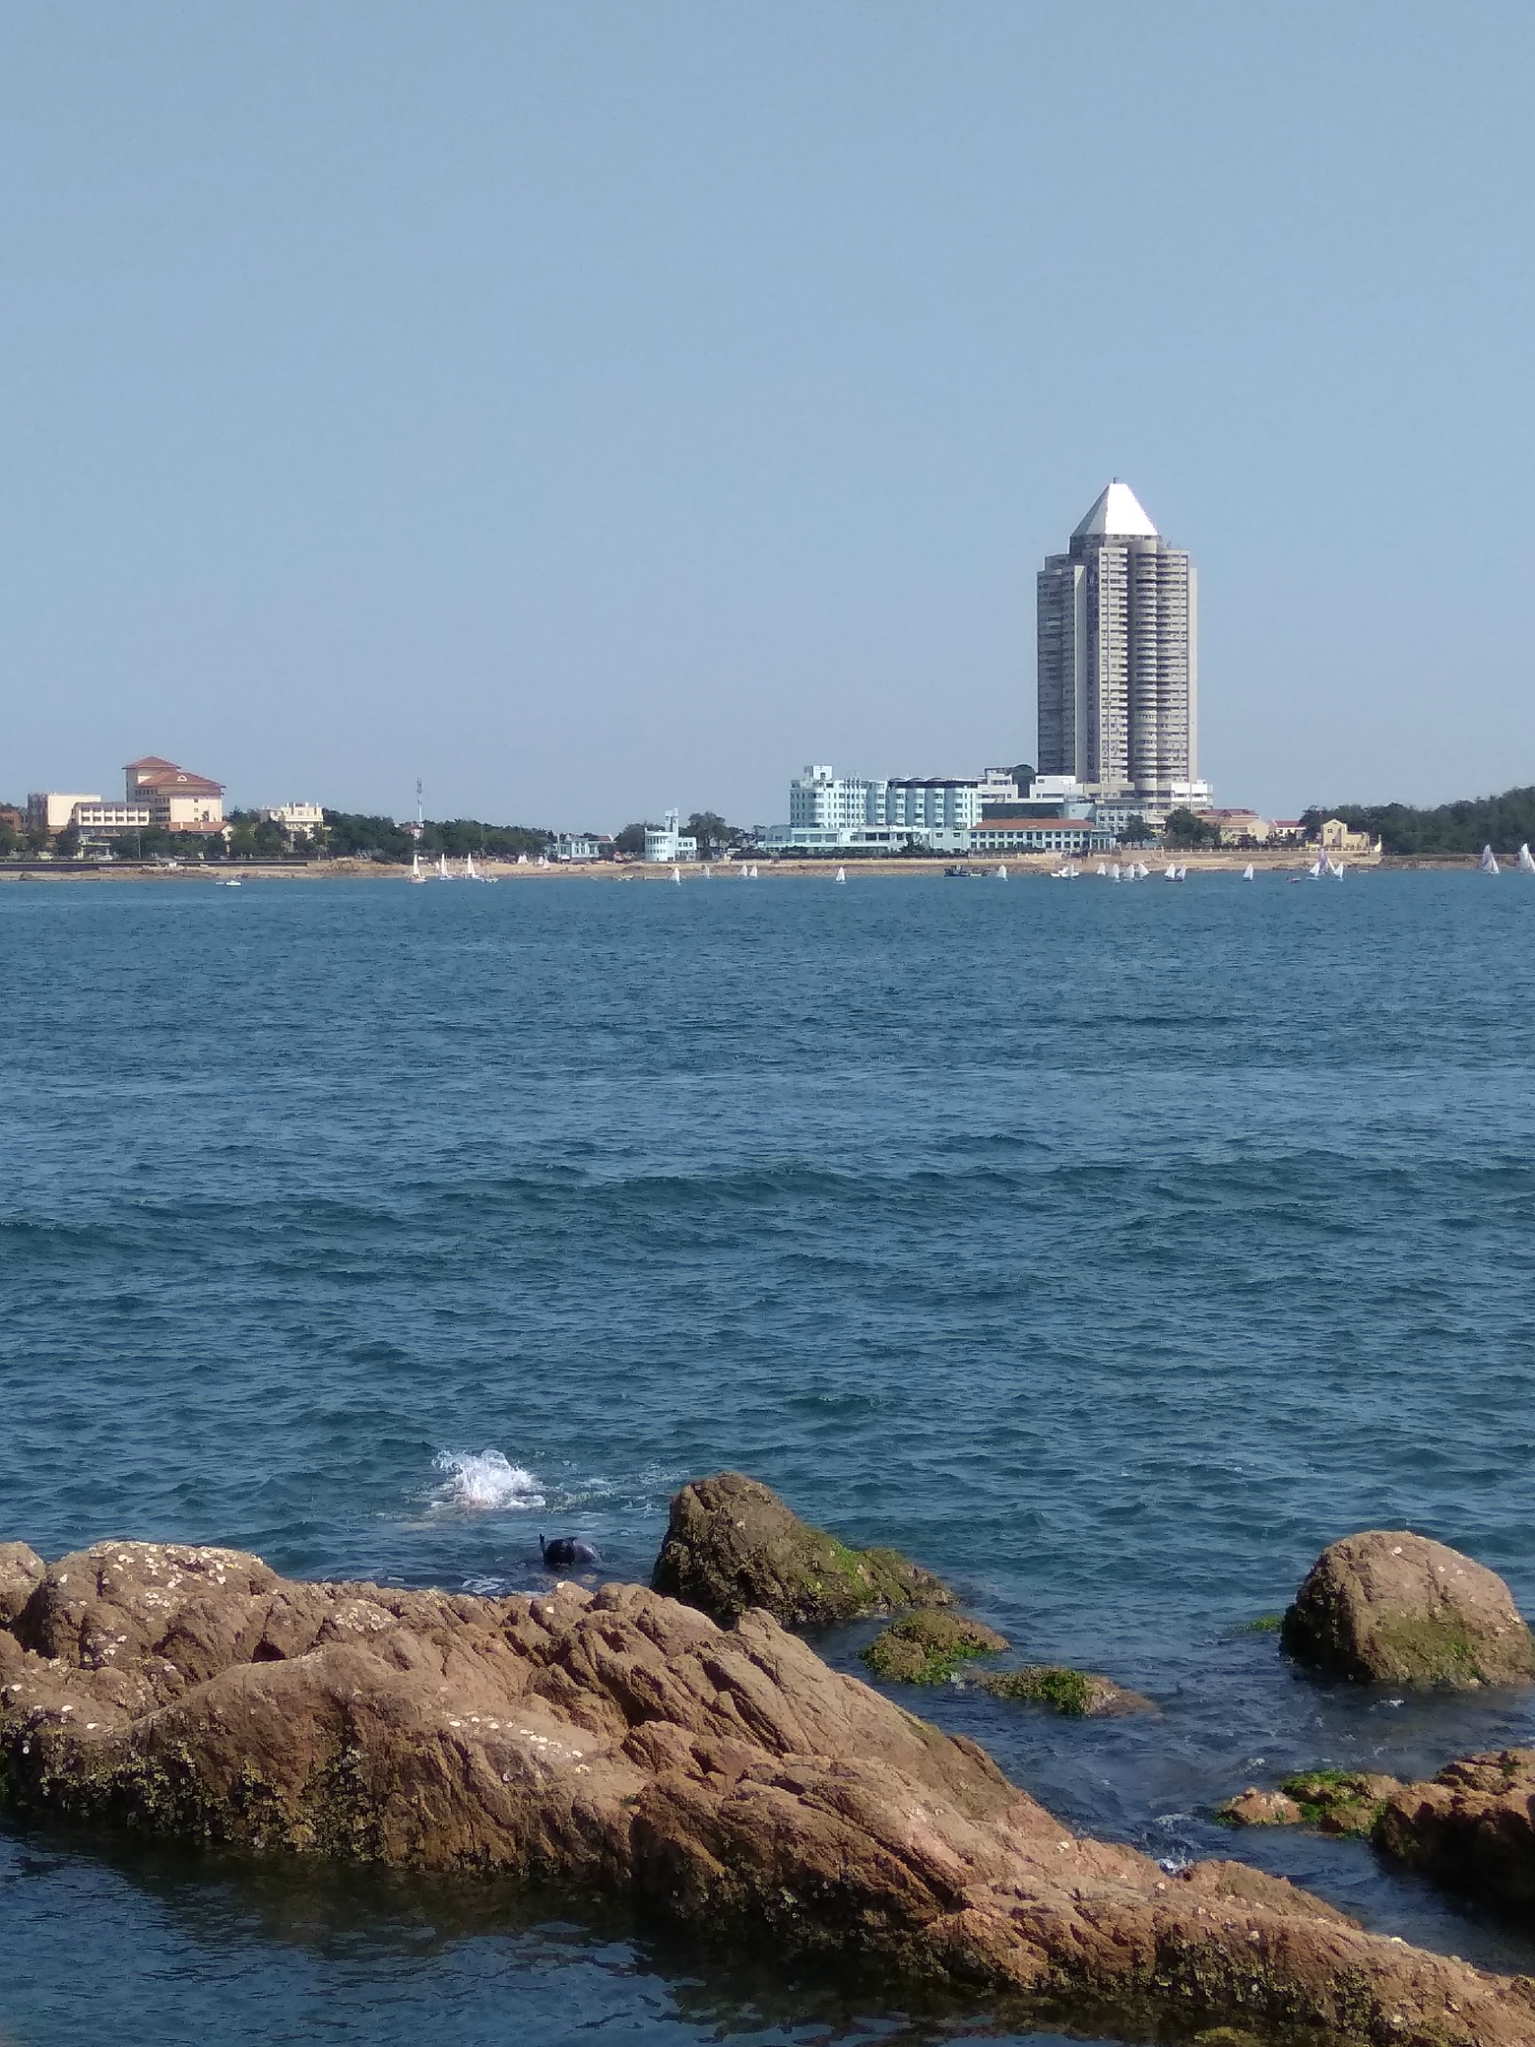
column 178, row 800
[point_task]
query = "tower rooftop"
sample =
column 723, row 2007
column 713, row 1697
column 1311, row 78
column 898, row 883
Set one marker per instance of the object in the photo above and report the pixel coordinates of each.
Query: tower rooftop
column 1117, row 510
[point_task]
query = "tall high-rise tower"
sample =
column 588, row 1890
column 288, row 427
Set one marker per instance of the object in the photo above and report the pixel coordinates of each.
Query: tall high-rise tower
column 1118, row 656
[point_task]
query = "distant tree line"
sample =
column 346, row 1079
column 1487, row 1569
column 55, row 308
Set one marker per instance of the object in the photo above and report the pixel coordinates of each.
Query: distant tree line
column 253, row 836
column 380, row 838
column 1504, row 822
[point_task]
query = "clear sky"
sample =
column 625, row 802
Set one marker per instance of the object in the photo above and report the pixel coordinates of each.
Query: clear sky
column 594, row 406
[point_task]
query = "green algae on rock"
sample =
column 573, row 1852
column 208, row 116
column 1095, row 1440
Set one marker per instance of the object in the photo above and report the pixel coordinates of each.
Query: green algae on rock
column 1388, row 1606
column 1339, row 1801
column 732, row 1544
column 1078, row 1693
column 928, row 1648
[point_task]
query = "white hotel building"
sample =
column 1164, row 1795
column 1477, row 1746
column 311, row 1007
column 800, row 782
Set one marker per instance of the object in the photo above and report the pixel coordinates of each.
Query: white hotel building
column 827, row 811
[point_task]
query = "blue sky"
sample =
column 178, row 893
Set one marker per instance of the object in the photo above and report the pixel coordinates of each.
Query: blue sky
column 590, row 407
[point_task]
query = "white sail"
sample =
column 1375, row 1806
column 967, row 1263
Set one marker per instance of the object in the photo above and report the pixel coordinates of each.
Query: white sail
column 1113, row 871
column 842, row 874
column 1247, row 872
column 1101, row 869
column 1526, row 860
column 1169, row 872
column 754, row 870
column 442, row 868
column 469, row 873
column 1488, row 862
column 1002, row 873
column 677, row 876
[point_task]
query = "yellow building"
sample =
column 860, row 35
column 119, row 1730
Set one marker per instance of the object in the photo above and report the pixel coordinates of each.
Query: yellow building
column 1337, row 838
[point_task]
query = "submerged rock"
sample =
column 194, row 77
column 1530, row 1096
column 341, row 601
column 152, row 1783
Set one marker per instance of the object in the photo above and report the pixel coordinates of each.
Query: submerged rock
column 1471, row 1828
column 928, row 1648
column 1391, row 1607
column 623, row 1744
column 1083, row 1694
column 732, row 1544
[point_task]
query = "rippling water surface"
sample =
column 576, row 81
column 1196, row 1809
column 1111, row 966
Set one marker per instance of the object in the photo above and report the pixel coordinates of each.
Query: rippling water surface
column 1108, row 1249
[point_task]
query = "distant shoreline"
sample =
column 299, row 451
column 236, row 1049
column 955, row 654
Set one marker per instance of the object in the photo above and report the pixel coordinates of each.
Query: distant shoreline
column 1291, row 860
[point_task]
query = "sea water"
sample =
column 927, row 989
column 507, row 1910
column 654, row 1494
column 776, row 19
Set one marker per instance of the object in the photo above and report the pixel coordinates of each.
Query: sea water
column 1108, row 1249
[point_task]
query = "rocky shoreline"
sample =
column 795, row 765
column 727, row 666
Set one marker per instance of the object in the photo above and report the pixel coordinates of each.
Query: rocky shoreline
column 627, row 1745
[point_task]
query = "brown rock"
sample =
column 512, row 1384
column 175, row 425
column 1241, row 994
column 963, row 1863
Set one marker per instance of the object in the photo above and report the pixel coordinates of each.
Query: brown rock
column 732, row 1544
column 1471, row 1828
column 1392, row 1607
column 623, row 1743
column 21, row 1572
column 1255, row 1808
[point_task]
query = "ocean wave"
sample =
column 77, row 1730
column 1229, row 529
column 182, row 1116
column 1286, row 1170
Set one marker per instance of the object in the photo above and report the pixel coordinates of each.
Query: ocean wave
column 484, row 1481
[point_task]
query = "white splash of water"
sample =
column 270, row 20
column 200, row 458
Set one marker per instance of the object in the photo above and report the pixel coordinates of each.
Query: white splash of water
column 484, row 1481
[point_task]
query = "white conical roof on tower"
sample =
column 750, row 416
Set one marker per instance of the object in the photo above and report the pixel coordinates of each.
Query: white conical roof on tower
column 1118, row 510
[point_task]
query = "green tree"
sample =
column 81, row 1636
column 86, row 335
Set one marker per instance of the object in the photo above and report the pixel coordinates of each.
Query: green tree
column 66, row 844
column 711, row 832
column 1136, row 832
column 1185, row 830
column 1504, row 822
column 630, row 840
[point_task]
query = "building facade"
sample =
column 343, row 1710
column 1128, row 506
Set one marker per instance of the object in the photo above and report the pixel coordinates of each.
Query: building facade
column 178, row 800
column 668, row 841
column 296, row 817
column 1118, row 656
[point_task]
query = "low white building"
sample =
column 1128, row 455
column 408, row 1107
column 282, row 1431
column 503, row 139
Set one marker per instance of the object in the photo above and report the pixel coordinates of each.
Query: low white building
column 667, row 841
column 296, row 817
column 49, row 810
column 574, row 848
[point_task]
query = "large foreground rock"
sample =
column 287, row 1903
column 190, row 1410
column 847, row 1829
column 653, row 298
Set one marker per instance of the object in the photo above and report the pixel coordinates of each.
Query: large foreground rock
column 732, row 1544
column 1391, row 1607
column 625, row 1744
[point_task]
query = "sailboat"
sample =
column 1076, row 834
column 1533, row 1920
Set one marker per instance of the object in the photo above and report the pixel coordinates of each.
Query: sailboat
column 677, row 876
column 706, row 874
column 442, row 868
column 1488, row 864
column 1101, row 869
column 1169, row 872
column 1319, row 867
column 415, row 868
column 1144, row 870
column 754, row 871
column 1113, row 871
column 1526, row 860
column 1335, row 869
column 1002, row 873
column 1247, row 872
column 842, row 874
column 469, row 873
